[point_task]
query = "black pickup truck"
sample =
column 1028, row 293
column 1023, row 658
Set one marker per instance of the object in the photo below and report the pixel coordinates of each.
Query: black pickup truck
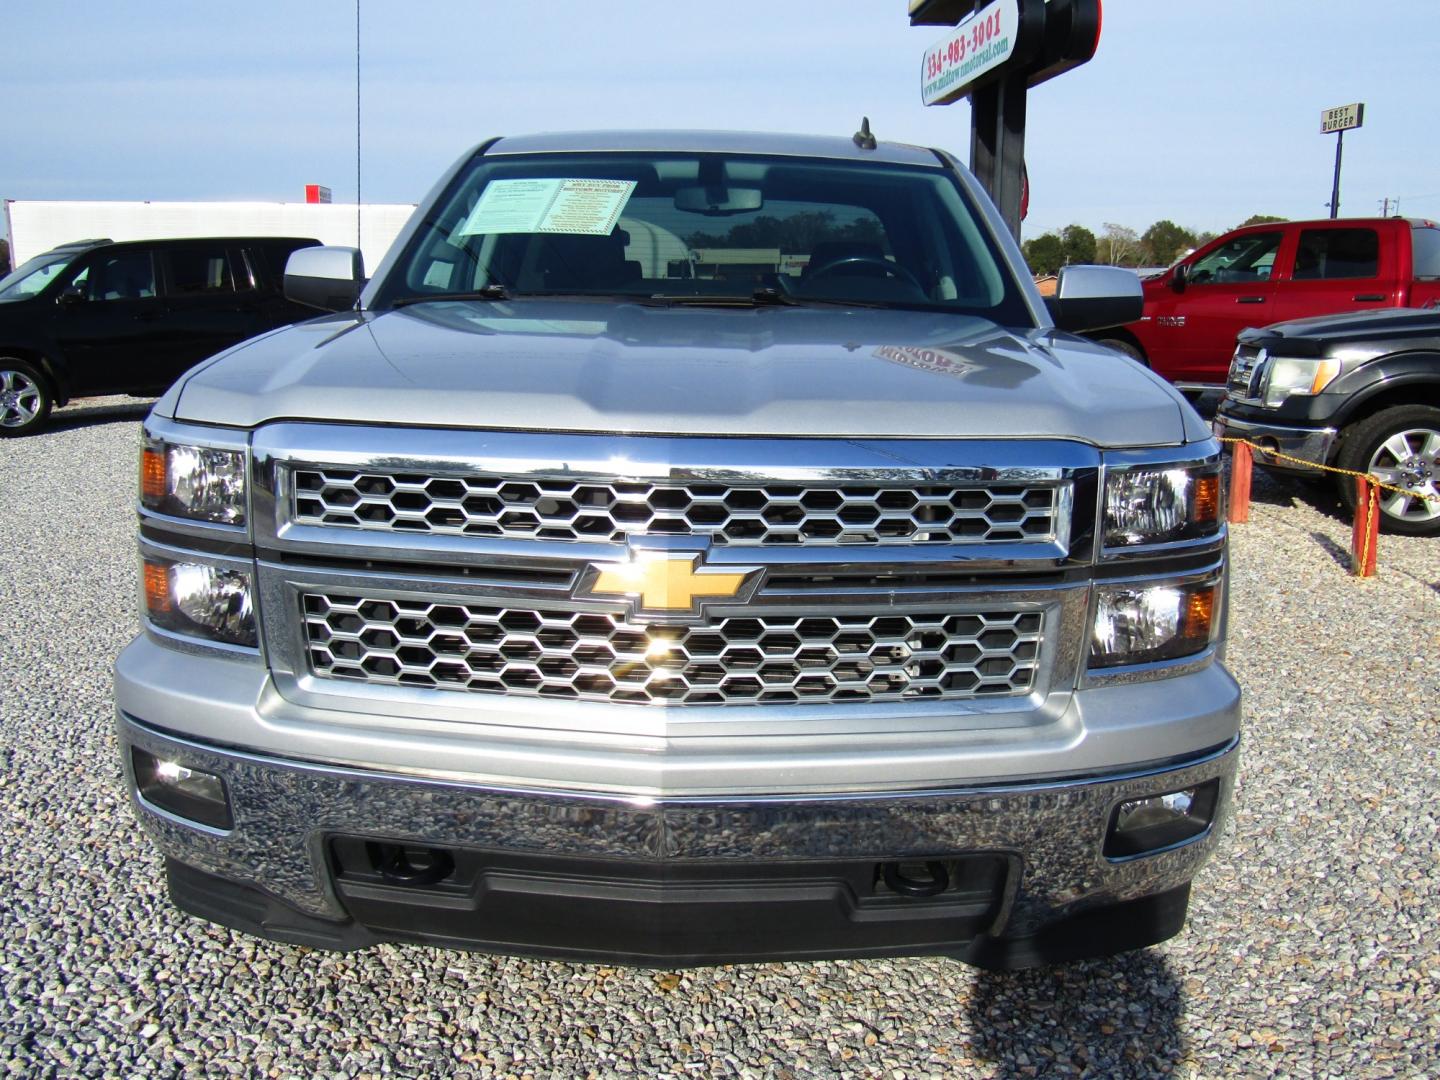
column 97, row 317
column 1360, row 392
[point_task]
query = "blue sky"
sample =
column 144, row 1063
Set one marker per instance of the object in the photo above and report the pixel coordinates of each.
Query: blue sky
column 1204, row 111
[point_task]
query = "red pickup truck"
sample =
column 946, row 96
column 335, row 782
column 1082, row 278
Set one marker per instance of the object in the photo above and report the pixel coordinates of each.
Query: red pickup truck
column 1266, row 274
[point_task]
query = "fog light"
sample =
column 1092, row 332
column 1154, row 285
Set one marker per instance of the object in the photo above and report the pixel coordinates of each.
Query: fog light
column 1157, row 822
column 181, row 790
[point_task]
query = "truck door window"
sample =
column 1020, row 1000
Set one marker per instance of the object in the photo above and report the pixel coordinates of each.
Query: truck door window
column 1337, row 253
column 1246, row 258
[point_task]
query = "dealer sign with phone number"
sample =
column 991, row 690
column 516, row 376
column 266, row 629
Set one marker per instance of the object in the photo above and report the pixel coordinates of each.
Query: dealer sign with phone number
column 981, row 43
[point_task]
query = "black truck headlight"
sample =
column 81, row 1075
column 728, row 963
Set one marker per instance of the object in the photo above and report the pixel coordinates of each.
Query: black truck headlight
column 201, row 482
column 199, row 599
column 1145, row 623
column 1288, row 375
column 1156, row 505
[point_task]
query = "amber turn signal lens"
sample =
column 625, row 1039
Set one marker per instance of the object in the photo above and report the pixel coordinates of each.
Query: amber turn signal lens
column 153, row 479
column 1199, row 614
column 157, row 588
column 1207, row 498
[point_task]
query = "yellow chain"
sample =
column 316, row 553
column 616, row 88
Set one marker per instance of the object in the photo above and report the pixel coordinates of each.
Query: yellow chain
column 1375, row 481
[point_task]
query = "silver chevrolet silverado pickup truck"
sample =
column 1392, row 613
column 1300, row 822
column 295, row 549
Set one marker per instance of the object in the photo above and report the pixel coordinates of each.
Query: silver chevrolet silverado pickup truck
column 687, row 548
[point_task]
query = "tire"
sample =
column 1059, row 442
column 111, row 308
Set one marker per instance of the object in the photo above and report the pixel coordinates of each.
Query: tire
column 25, row 397
column 1400, row 446
column 1121, row 345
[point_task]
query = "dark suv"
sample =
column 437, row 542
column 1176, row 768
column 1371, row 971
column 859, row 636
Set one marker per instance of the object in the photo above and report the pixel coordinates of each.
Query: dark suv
column 96, row 317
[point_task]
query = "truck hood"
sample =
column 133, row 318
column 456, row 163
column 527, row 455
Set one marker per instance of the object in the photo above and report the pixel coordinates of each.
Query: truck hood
column 1357, row 332
column 584, row 366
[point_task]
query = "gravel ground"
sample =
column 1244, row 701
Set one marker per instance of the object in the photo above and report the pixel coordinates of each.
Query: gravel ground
column 1311, row 948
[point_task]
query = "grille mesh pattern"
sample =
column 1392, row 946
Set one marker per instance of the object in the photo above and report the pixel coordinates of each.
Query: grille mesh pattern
column 753, row 659
column 610, row 510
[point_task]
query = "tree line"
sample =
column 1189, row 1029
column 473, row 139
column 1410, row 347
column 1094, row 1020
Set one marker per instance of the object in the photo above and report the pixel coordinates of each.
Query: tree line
column 1118, row 245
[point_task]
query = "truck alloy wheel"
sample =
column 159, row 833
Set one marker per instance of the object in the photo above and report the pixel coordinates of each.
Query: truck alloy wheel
column 1401, row 447
column 24, row 400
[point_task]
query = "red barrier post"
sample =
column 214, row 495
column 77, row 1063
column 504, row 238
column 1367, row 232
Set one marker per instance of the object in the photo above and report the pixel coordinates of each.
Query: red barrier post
column 1365, row 535
column 1241, row 460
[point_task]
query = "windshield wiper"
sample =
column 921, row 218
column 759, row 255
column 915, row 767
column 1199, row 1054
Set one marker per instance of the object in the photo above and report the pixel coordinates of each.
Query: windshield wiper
column 489, row 292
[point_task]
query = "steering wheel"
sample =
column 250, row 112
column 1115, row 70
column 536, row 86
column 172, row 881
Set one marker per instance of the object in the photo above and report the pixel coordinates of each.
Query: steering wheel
column 893, row 269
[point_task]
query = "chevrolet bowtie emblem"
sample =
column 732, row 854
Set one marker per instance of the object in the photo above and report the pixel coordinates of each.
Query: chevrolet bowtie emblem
column 668, row 583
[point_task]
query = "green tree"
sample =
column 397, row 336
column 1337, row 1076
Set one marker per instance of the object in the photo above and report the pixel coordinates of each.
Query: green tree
column 4, row 256
column 1260, row 219
column 1045, row 254
column 1079, row 244
column 1165, row 241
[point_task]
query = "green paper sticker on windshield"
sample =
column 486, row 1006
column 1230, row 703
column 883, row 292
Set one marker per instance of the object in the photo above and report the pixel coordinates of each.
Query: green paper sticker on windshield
column 571, row 206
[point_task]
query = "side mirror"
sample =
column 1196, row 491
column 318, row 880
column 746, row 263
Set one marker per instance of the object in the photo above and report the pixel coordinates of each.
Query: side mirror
column 1179, row 277
column 328, row 278
column 1094, row 297
column 71, row 294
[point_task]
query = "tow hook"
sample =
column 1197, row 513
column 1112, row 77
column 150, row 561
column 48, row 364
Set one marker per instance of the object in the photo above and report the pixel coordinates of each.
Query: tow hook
column 902, row 878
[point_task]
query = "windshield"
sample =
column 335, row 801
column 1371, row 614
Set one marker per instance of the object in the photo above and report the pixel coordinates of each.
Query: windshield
column 700, row 228
column 31, row 277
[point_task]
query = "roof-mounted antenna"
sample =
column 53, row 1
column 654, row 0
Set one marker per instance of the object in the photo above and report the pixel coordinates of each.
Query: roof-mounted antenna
column 863, row 139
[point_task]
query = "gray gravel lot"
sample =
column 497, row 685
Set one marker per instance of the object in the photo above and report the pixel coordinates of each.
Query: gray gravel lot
column 1311, row 948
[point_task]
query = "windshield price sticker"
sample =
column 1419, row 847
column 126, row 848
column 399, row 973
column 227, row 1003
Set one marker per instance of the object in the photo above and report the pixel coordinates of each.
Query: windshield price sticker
column 979, row 44
column 575, row 207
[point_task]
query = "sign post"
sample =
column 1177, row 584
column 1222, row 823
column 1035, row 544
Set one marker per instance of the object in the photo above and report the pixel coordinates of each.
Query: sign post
column 995, row 53
column 1340, row 120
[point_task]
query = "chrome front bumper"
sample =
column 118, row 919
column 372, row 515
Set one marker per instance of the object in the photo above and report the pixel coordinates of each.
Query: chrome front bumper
column 1305, row 444
column 287, row 812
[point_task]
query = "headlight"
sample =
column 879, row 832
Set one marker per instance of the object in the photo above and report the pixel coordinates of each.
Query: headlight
column 1140, row 624
column 200, row 600
column 1157, row 505
column 1288, row 375
column 199, row 482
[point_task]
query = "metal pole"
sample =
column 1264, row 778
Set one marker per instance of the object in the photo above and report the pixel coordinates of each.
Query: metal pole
column 357, row 124
column 1335, row 191
column 997, row 144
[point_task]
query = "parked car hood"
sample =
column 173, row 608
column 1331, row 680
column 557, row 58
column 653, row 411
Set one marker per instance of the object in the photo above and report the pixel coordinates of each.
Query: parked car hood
column 614, row 367
column 1355, row 337
column 1353, row 328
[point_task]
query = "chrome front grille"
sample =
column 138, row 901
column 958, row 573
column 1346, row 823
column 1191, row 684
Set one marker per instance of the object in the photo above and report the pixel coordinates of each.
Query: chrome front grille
column 1247, row 368
column 761, row 657
column 605, row 509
